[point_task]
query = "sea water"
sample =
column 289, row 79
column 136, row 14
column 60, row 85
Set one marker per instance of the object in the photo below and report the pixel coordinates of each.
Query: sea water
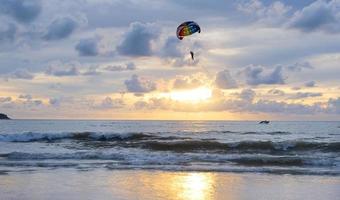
column 307, row 148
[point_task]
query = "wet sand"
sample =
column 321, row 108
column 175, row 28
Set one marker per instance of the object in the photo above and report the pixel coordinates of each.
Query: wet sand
column 149, row 184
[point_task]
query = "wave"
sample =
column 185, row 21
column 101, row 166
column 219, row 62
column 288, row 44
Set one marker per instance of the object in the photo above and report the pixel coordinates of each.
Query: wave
column 174, row 143
column 142, row 158
column 97, row 136
column 62, row 156
column 174, row 161
column 267, row 133
column 243, row 146
column 49, row 137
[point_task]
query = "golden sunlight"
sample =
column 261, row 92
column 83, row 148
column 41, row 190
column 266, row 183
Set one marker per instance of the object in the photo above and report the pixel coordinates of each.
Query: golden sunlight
column 194, row 95
column 197, row 186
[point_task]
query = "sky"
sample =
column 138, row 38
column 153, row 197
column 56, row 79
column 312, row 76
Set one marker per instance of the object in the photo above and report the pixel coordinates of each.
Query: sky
column 121, row 59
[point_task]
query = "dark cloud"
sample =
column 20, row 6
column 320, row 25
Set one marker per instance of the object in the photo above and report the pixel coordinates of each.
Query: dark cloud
column 310, row 84
column 137, row 41
column 139, row 85
column 256, row 75
column 24, row 11
column 53, row 71
column 87, row 47
column 320, row 15
column 118, row 68
column 60, row 28
column 224, row 80
column 303, row 95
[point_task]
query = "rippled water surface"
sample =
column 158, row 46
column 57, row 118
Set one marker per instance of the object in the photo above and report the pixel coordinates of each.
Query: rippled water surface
column 279, row 147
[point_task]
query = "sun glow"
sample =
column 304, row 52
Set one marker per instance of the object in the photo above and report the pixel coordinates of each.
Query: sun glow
column 194, row 95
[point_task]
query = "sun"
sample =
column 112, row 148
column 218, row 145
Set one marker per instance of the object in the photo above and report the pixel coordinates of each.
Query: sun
column 194, row 95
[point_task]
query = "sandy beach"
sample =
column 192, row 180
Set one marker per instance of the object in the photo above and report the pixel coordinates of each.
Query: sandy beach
column 151, row 184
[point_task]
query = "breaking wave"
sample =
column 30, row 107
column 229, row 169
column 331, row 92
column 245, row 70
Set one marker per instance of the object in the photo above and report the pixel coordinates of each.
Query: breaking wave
column 243, row 146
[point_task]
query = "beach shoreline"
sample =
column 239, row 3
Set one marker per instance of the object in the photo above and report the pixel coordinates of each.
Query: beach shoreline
column 155, row 184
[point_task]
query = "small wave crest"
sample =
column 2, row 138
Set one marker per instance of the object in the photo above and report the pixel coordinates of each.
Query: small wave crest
column 35, row 137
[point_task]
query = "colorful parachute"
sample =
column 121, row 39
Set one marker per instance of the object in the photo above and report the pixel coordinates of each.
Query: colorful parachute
column 187, row 28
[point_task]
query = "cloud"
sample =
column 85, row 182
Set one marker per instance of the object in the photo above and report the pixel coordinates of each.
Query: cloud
column 296, row 88
column 53, row 71
column 299, row 66
column 109, row 103
column 268, row 106
column 139, row 85
column 26, row 96
column 138, row 39
column 55, row 102
column 272, row 14
column 256, row 75
column 303, row 95
column 245, row 104
column 247, row 95
column 23, row 11
column 171, row 48
column 92, row 71
column 118, row 68
column 21, row 74
column 334, row 105
column 186, row 83
column 7, row 33
column 87, row 47
column 5, row 99
column 60, row 28
column 319, row 15
column 173, row 54
column 276, row 92
column 224, row 80
column 310, row 84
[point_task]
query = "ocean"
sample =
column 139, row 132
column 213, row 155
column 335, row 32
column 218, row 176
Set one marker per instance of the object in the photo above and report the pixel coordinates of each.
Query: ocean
column 295, row 148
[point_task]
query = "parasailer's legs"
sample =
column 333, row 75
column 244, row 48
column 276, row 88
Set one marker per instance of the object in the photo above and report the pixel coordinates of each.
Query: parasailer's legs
column 192, row 55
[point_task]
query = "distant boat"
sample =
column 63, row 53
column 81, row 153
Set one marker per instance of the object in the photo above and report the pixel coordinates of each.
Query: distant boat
column 264, row 122
column 3, row 116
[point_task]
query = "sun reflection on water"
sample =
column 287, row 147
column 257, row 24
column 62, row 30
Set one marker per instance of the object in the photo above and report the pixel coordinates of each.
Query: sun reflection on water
column 196, row 186
column 175, row 186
